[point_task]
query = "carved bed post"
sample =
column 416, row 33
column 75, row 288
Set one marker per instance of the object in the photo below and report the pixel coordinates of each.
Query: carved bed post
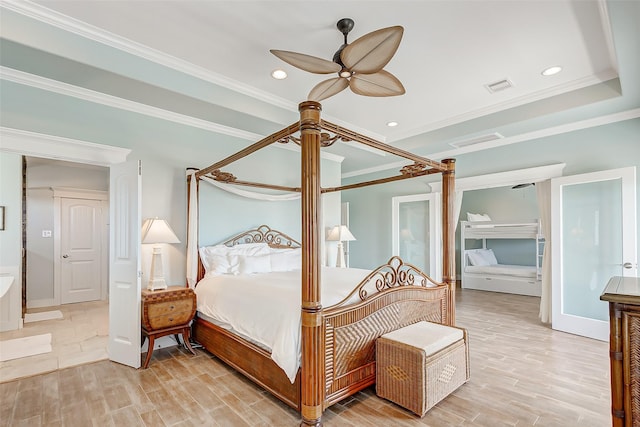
column 312, row 363
column 448, row 236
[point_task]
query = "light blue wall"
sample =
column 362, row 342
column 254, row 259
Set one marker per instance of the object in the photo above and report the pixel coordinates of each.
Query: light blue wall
column 164, row 195
column 223, row 214
column 599, row 148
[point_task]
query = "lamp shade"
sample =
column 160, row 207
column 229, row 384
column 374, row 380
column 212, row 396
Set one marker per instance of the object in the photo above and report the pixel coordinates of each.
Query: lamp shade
column 340, row 233
column 156, row 230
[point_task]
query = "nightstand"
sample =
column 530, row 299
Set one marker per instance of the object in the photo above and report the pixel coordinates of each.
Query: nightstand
column 166, row 312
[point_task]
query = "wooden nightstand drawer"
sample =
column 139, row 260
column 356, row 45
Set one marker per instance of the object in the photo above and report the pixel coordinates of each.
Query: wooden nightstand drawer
column 166, row 312
column 167, row 308
column 169, row 313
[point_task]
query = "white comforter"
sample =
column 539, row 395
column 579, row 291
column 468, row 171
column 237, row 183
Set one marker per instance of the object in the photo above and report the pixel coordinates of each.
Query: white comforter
column 266, row 307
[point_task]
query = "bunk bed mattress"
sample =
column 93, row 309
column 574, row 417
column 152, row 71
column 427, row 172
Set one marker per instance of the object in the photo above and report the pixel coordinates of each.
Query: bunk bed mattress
column 503, row 270
column 264, row 308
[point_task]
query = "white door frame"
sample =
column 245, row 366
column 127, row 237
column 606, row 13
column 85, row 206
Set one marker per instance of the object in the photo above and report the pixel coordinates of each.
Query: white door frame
column 574, row 324
column 75, row 193
column 27, row 143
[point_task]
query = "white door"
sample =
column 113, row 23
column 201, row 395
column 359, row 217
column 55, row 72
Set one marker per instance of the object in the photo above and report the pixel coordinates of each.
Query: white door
column 416, row 231
column 81, row 250
column 593, row 237
column 124, row 264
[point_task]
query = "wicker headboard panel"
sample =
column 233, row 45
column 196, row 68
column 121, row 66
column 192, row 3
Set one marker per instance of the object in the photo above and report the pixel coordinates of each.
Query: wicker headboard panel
column 264, row 233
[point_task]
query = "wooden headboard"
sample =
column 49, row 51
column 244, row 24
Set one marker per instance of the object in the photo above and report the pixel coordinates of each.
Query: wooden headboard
column 264, row 233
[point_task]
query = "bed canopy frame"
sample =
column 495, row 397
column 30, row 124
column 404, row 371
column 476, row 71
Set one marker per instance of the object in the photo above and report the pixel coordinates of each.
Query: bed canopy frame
column 315, row 133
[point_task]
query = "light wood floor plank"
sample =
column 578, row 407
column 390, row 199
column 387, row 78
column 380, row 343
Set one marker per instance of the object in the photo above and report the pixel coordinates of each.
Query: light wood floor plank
column 523, row 374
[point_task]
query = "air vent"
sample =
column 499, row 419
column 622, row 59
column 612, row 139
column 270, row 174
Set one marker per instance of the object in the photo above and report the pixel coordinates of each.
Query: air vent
column 498, row 86
column 476, row 140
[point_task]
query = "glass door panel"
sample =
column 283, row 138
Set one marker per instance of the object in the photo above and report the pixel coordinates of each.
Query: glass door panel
column 591, row 245
column 416, row 232
column 593, row 224
column 413, row 220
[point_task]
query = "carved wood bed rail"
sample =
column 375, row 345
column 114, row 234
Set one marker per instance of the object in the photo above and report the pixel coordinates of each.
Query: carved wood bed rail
column 337, row 342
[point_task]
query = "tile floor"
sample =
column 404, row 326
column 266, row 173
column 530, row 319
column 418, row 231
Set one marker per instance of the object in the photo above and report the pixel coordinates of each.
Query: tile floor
column 81, row 336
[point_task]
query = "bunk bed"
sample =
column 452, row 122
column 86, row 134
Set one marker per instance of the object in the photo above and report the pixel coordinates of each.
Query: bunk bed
column 336, row 340
column 481, row 270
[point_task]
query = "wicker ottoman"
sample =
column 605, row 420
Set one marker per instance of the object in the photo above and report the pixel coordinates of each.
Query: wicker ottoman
column 419, row 365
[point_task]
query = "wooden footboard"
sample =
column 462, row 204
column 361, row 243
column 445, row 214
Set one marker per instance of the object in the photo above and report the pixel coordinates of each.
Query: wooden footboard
column 403, row 295
column 249, row 359
column 393, row 296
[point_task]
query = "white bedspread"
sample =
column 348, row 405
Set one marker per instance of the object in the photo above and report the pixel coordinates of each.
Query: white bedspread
column 266, row 307
column 503, row 269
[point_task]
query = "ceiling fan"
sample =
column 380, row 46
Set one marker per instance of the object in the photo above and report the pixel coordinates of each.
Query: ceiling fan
column 359, row 64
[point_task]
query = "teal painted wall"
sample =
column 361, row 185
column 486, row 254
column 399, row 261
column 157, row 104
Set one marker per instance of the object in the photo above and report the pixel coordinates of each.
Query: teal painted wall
column 599, row 148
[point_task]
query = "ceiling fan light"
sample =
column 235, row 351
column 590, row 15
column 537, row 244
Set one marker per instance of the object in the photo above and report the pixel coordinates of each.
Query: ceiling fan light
column 344, row 73
column 279, row 74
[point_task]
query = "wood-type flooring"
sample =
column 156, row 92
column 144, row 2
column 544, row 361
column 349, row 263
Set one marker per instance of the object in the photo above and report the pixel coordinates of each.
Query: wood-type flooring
column 522, row 374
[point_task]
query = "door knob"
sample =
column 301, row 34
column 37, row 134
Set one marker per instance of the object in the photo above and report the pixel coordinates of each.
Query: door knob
column 627, row 265
column 65, row 256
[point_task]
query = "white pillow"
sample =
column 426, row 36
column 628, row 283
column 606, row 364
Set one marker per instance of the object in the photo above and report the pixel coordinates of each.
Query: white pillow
column 477, row 217
column 216, row 259
column 250, row 264
column 286, row 259
column 482, row 257
column 214, row 262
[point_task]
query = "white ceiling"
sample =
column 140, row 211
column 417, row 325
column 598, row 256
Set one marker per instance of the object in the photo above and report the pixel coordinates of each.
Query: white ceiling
column 449, row 52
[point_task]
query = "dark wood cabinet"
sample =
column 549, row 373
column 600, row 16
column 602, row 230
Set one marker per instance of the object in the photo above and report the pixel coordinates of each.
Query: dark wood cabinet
column 623, row 295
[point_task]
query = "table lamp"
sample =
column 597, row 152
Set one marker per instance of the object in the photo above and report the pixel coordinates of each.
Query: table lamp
column 340, row 233
column 157, row 231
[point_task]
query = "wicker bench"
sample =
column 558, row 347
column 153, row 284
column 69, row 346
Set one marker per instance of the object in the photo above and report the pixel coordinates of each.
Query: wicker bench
column 419, row 365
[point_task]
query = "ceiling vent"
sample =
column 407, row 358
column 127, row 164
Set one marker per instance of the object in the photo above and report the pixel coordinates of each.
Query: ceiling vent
column 498, row 86
column 476, row 140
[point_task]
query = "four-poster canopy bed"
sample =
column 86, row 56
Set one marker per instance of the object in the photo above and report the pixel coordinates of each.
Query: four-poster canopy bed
column 337, row 343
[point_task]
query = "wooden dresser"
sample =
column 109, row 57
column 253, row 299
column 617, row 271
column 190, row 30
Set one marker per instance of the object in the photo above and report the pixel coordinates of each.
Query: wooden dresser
column 623, row 295
column 165, row 312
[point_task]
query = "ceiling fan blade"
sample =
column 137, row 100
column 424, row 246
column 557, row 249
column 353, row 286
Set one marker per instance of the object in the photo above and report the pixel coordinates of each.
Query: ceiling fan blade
column 308, row 63
column 382, row 83
column 371, row 52
column 327, row 88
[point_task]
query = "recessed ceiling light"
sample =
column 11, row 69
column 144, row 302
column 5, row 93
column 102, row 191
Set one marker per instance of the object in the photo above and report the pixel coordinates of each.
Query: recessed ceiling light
column 279, row 74
column 552, row 70
column 392, row 124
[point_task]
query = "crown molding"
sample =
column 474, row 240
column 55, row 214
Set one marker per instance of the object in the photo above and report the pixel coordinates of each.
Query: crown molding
column 511, row 103
column 28, row 143
column 85, row 30
column 528, row 136
column 85, row 94
column 66, row 89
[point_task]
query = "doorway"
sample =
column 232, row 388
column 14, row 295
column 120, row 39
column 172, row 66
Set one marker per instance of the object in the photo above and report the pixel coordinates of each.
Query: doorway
column 66, row 241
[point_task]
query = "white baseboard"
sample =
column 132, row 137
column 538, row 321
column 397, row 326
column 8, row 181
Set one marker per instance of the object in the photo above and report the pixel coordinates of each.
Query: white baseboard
column 40, row 303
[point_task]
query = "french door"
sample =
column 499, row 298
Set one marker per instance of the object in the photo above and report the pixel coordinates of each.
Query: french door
column 124, row 264
column 593, row 237
column 416, row 231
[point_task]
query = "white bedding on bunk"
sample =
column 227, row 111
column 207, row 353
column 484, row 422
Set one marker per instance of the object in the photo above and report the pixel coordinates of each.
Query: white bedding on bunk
column 265, row 307
column 503, row 270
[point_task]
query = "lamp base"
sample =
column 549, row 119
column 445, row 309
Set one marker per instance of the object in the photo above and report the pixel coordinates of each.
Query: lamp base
column 156, row 284
column 156, row 281
column 340, row 258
